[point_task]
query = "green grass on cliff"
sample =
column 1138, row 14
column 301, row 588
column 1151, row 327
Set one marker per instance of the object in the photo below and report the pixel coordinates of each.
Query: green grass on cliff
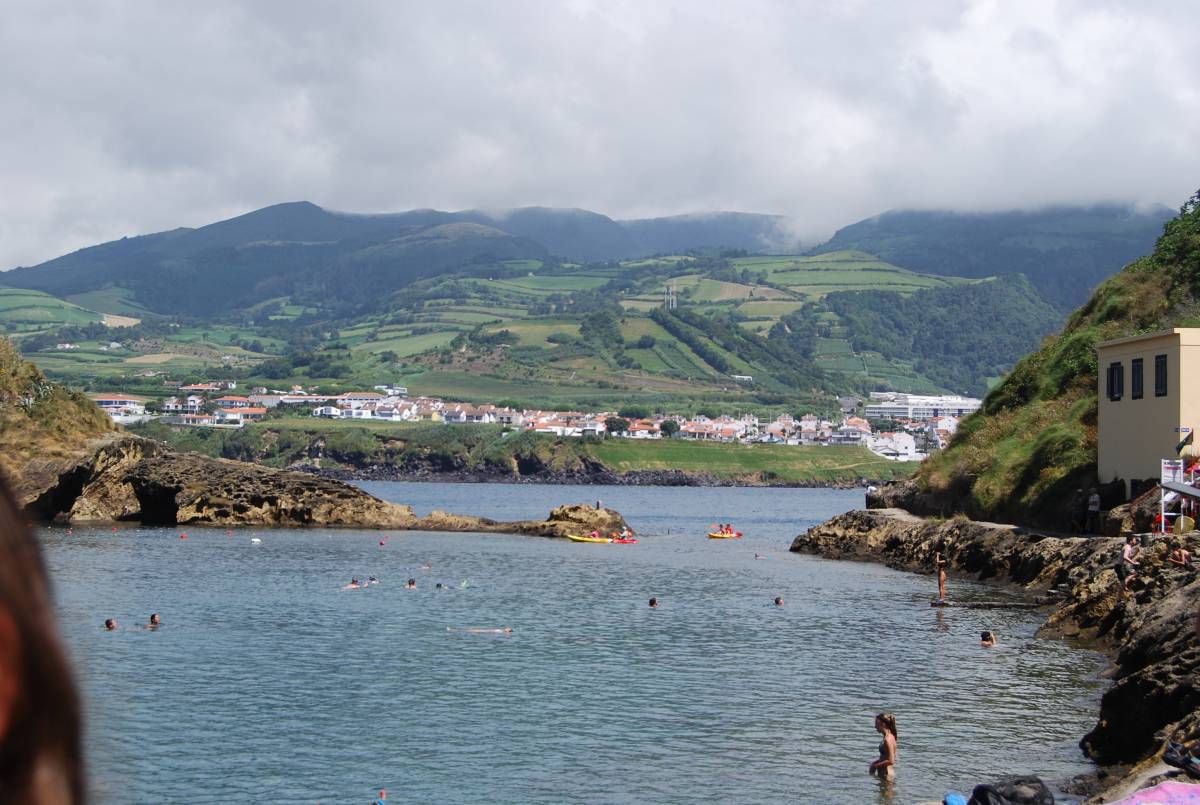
column 39, row 419
column 1034, row 441
column 768, row 462
column 279, row 443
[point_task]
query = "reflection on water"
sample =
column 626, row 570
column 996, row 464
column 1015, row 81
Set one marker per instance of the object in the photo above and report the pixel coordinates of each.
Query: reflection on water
column 269, row 683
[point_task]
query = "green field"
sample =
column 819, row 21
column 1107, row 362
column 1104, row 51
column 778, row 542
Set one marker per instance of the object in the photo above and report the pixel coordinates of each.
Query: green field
column 110, row 300
column 533, row 333
column 407, row 345
column 770, row 462
column 813, row 277
column 769, row 309
column 24, row 311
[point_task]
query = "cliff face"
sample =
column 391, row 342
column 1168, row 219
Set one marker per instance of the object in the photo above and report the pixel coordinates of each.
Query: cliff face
column 1153, row 630
column 1022, row 457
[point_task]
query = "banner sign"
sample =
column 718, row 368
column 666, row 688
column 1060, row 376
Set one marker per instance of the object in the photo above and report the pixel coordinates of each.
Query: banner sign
column 1172, row 471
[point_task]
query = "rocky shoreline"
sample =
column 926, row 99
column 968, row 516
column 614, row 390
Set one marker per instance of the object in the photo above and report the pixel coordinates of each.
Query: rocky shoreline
column 124, row 478
column 591, row 476
column 1151, row 633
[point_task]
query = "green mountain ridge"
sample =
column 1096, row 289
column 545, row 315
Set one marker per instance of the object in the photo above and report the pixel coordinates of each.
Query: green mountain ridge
column 1063, row 251
column 476, row 305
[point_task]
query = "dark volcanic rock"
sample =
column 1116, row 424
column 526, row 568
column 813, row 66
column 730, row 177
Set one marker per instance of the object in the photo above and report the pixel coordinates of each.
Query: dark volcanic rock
column 128, row 478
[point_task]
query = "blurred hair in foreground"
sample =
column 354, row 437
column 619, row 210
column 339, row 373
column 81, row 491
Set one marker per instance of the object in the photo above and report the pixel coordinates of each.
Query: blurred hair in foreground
column 40, row 730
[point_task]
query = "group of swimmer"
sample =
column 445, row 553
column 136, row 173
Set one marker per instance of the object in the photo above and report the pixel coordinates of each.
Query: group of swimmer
column 111, row 625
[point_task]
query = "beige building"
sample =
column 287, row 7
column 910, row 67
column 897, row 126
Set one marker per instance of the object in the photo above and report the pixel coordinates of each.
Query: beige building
column 1149, row 388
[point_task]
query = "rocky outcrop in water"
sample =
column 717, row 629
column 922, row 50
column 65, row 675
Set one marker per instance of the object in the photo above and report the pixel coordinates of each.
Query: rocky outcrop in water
column 122, row 478
column 1152, row 631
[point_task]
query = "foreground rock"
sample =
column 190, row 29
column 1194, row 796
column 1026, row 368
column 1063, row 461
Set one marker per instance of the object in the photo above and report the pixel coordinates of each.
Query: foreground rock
column 1152, row 632
column 122, row 478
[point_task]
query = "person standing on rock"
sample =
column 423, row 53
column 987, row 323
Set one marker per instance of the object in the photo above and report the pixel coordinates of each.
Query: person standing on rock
column 1092, row 526
column 1127, row 568
column 940, row 562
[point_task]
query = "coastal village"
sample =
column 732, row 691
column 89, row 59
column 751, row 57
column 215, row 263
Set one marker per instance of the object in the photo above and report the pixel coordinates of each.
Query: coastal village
column 916, row 423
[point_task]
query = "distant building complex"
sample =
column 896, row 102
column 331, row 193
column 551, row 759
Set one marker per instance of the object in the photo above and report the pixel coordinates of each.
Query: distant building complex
column 917, row 407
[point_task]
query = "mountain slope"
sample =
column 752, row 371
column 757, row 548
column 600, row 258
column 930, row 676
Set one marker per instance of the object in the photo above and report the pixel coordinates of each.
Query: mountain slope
column 1064, row 251
column 297, row 248
column 286, row 249
column 1021, row 458
column 959, row 336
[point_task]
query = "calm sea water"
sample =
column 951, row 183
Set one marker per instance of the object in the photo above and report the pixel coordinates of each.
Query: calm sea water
column 268, row 683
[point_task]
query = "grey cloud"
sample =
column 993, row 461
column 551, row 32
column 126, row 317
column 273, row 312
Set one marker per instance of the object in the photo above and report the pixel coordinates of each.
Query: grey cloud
column 123, row 118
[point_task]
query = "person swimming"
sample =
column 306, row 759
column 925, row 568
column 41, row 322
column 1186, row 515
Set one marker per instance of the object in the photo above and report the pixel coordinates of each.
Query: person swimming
column 353, row 585
column 155, row 621
column 110, row 625
column 411, row 584
column 481, row 630
column 440, row 586
column 654, row 603
column 987, row 639
column 372, row 580
column 778, row 600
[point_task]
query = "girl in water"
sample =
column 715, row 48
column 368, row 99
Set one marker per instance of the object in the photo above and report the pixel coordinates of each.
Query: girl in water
column 885, row 767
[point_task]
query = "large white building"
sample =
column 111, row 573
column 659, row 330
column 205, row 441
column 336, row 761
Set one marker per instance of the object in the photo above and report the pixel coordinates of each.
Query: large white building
column 894, row 405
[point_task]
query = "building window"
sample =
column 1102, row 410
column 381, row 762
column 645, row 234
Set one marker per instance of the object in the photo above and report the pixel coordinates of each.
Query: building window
column 1160, row 375
column 1135, row 379
column 1116, row 380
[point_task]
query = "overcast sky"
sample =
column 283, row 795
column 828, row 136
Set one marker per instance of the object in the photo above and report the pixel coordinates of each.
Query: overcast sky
column 121, row 118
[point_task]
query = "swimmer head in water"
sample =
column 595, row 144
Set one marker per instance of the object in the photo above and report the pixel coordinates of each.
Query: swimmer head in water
column 778, row 601
column 110, row 625
column 411, row 584
column 154, row 619
column 987, row 639
column 654, row 603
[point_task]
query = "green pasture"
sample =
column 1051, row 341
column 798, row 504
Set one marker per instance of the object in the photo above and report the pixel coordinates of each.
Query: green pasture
column 407, row 345
column 782, row 463
column 769, row 309
column 22, row 309
column 110, row 300
column 533, row 333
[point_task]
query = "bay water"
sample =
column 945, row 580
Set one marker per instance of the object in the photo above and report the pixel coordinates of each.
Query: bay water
column 267, row 682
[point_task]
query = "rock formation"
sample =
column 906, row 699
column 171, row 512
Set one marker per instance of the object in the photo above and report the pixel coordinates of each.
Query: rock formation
column 119, row 477
column 1152, row 631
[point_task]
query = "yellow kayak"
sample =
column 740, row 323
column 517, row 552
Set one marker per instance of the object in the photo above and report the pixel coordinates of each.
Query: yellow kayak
column 719, row 535
column 574, row 538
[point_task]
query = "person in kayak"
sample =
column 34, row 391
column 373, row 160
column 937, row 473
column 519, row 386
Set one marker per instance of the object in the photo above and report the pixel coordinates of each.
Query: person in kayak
column 595, row 534
column 885, row 767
